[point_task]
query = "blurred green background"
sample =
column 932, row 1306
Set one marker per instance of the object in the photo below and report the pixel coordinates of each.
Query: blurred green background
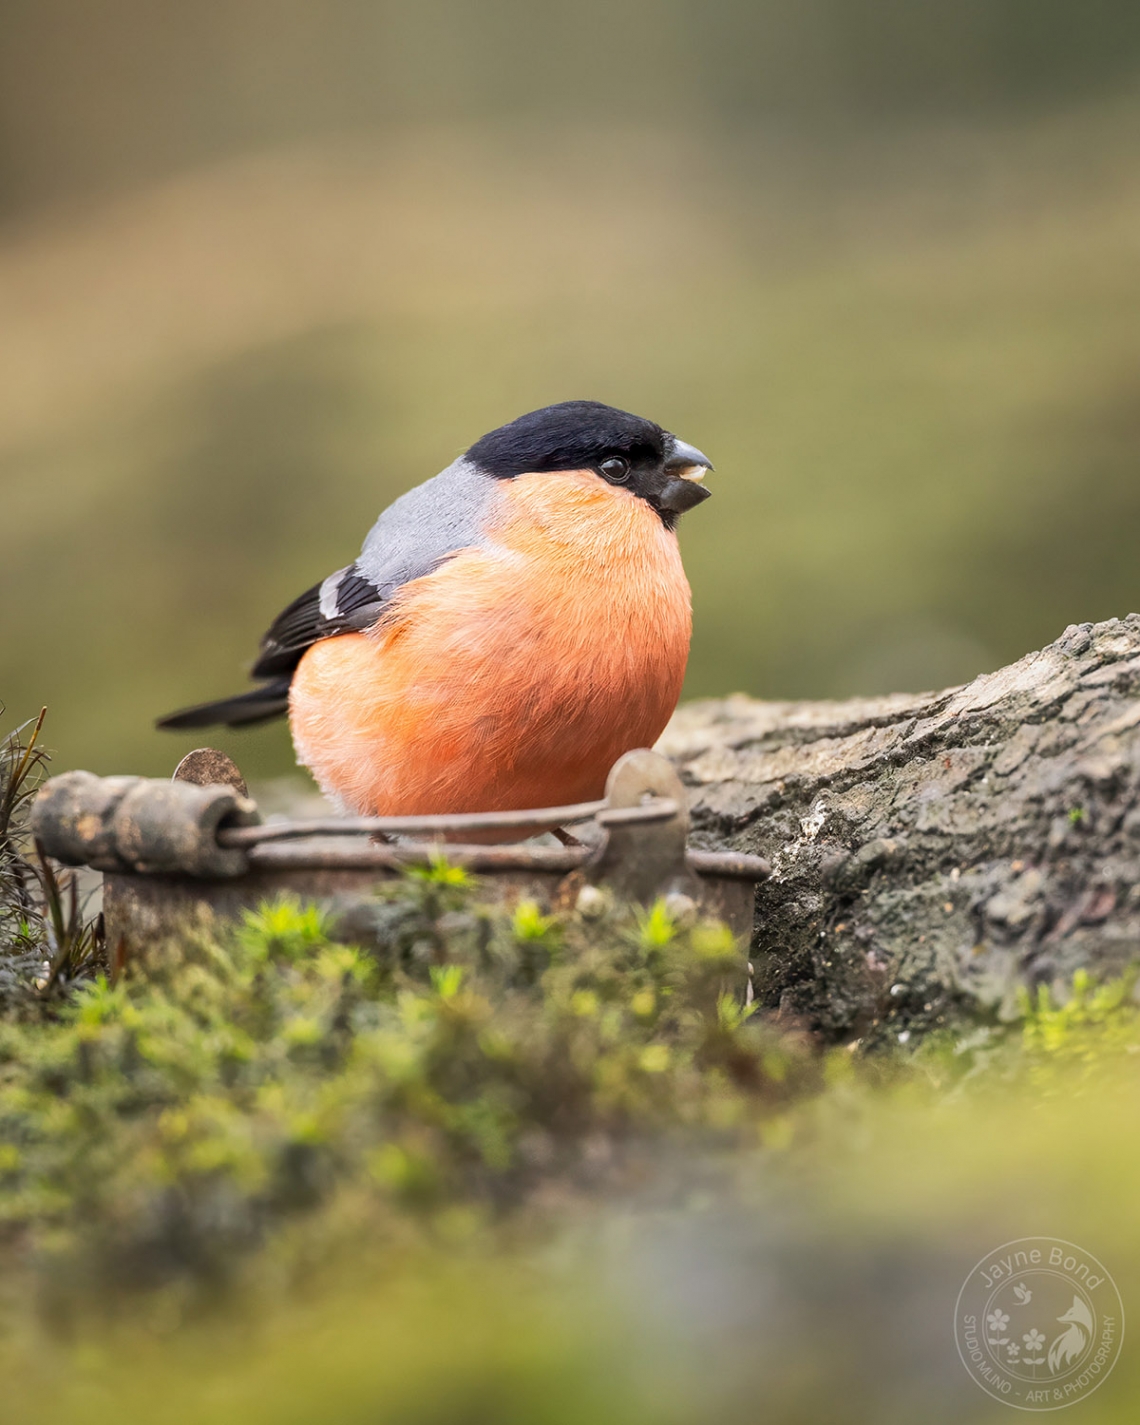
column 263, row 266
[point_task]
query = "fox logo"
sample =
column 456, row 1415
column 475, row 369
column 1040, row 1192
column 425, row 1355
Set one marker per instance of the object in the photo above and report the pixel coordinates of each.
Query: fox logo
column 1071, row 1343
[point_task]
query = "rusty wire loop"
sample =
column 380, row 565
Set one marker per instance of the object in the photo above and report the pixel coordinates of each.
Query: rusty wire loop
column 555, row 860
column 660, row 809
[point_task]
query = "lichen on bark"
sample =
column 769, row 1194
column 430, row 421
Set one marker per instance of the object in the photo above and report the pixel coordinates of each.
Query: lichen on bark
column 933, row 853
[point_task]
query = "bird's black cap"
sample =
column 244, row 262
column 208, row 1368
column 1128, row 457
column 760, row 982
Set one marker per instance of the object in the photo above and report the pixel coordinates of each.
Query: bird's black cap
column 586, row 435
column 573, row 435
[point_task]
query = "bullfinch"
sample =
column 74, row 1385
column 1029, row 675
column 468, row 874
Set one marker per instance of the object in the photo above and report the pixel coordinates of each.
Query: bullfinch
column 509, row 629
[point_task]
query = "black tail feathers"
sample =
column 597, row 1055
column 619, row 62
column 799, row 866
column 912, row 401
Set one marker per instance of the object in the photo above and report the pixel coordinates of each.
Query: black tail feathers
column 262, row 704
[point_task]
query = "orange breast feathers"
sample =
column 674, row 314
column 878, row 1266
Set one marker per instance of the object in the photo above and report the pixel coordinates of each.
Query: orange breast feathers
column 517, row 673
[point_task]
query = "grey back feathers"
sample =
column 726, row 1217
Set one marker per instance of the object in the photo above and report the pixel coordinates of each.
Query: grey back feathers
column 419, row 530
column 412, row 537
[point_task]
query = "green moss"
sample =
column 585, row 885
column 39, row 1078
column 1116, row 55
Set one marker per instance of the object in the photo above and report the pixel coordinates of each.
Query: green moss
column 162, row 1129
column 1093, row 1026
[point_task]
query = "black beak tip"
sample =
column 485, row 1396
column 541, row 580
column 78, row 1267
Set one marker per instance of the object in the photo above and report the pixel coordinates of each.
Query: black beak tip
column 680, row 495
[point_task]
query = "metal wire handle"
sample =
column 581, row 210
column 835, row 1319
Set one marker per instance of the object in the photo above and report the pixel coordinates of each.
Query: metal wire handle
column 659, row 809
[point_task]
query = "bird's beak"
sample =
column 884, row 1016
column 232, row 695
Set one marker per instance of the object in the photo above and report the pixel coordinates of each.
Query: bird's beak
column 685, row 468
column 685, row 460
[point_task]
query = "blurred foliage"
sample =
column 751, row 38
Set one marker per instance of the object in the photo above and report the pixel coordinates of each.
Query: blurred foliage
column 21, row 922
column 89, row 97
column 159, row 1130
column 48, row 940
column 524, row 1167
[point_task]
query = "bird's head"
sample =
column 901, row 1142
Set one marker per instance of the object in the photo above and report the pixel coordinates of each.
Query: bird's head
column 624, row 450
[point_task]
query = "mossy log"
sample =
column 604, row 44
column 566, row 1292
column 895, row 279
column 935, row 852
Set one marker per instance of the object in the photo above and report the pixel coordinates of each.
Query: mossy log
column 933, row 854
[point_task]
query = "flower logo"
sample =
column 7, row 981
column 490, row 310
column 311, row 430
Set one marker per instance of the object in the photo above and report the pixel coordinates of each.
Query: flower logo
column 1034, row 1340
column 997, row 1321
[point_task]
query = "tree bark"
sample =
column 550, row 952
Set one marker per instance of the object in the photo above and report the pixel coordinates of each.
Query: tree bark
column 931, row 853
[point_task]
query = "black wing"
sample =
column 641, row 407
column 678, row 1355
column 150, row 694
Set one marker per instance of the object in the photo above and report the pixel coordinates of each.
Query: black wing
column 345, row 602
column 269, row 701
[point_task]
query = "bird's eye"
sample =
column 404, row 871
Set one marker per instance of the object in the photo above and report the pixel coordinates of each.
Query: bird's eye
column 615, row 468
